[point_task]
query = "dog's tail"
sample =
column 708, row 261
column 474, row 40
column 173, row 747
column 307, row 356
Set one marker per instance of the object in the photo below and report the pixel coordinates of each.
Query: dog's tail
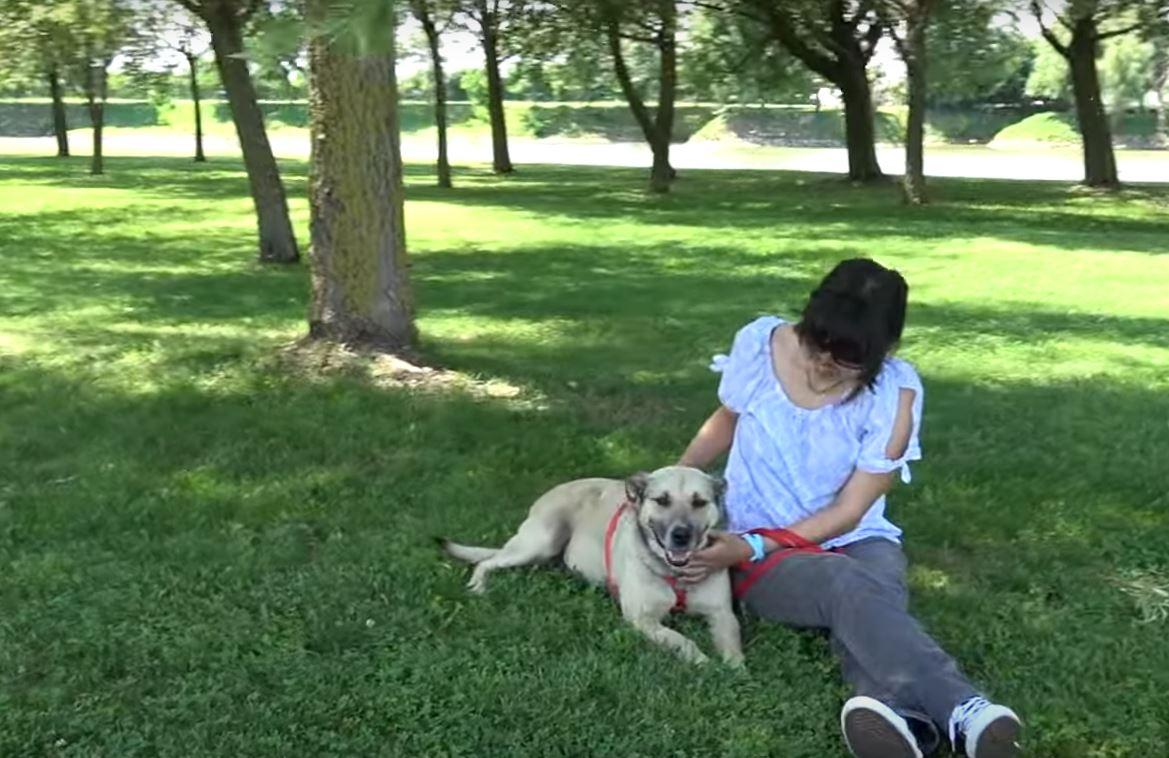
column 468, row 553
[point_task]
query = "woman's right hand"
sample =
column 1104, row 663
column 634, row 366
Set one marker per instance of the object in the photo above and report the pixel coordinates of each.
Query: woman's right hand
column 725, row 550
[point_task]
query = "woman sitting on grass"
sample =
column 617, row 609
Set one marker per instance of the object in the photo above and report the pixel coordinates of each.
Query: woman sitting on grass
column 819, row 420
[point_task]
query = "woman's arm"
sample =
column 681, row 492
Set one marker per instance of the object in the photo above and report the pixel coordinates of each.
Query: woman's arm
column 841, row 516
column 712, row 440
column 727, row 549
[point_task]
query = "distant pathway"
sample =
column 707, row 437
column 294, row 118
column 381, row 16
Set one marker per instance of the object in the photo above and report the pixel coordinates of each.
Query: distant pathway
column 959, row 161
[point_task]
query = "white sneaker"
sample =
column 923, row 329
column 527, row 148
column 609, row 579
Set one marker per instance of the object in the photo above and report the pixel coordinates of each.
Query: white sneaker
column 873, row 730
column 985, row 730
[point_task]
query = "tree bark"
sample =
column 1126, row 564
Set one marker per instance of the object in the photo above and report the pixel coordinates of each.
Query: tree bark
column 193, row 66
column 662, row 173
column 422, row 13
column 95, row 98
column 360, row 277
column 913, row 51
column 658, row 131
column 845, row 66
column 60, row 124
column 1095, row 133
column 277, row 242
column 859, row 129
column 489, row 24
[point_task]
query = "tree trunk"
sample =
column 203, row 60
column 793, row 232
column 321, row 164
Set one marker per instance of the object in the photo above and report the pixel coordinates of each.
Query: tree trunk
column 859, row 131
column 1099, row 160
column 277, row 242
column 661, row 173
column 95, row 98
column 193, row 66
column 845, row 66
column 913, row 50
column 500, row 159
column 432, row 39
column 1161, row 131
column 60, row 124
column 360, row 276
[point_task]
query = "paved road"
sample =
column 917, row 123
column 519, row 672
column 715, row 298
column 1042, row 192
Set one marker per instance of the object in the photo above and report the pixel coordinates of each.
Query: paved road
column 973, row 161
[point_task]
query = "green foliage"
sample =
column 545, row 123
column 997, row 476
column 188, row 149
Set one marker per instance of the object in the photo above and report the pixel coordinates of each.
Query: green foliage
column 277, row 50
column 974, row 57
column 210, row 551
column 1126, row 71
column 474, row 82
column 728, row 58
column 1050, row 77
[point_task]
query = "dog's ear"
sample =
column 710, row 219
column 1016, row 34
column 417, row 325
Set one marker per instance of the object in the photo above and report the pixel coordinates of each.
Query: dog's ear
column 635, row 487
column 719, row 486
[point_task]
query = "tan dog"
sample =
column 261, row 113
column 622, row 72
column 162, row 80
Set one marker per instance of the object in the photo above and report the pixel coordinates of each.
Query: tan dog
column 652, row 524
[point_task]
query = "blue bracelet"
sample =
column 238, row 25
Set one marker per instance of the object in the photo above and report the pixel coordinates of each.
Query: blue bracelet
column 756, row 543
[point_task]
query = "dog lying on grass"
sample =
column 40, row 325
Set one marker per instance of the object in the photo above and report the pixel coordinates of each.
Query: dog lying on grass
column 629, row 536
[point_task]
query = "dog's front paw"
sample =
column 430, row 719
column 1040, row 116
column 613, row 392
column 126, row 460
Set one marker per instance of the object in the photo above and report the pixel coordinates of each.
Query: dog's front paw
column 696, row 657
column 736, row 662
column 477, row 586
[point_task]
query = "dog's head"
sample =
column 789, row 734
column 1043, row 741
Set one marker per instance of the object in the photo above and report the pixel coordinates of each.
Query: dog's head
column 676, row 507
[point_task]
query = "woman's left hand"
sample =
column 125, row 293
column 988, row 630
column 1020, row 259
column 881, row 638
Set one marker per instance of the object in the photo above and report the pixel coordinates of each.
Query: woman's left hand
column 725, row 550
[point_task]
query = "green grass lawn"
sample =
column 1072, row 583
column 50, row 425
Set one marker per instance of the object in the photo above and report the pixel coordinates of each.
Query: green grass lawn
column 206, row 552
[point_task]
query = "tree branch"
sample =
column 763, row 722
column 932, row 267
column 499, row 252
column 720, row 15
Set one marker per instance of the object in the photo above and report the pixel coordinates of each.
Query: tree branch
column 1101, row 36
column 1048, row 35
column 783, row 30
column 872, row 37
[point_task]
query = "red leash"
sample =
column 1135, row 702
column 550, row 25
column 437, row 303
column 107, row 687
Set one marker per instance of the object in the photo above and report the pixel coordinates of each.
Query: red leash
column 789, row 543
column 611, row 583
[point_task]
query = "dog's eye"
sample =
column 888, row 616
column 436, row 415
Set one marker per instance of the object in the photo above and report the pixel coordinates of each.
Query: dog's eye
column 698, row 502
column 662, row 500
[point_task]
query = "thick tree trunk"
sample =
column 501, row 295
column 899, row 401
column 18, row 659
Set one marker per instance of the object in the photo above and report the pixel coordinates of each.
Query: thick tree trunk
column 193, row 67
column 60, row 124
column 432, row 38
column 845, row 66
column 277, row 242
column 360, row 276
column 1099, row 159
column 859, row 131
column 500, row 159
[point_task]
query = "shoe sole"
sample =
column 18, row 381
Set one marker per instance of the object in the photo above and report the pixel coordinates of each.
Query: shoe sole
column 1000, row 739
column 869, row 735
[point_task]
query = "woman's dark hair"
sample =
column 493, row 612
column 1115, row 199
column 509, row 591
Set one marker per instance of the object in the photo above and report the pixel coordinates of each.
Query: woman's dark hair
column 856, row 315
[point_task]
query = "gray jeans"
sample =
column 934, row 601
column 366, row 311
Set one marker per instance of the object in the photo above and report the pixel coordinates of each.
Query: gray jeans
column 859, row 596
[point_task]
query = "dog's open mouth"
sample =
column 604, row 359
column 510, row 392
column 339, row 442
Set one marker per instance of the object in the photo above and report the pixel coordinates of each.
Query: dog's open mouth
column 676, row 558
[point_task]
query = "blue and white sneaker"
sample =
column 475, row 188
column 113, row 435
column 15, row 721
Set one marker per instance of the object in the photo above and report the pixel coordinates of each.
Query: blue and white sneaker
column 982, row 729
column 874, row 730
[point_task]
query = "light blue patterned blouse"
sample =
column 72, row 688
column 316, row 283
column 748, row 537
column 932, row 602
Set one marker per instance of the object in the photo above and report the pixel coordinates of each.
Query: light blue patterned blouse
column 787, row 462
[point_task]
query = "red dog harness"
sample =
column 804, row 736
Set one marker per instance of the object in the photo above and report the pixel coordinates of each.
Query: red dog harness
column 789, row 543
column 611, row 583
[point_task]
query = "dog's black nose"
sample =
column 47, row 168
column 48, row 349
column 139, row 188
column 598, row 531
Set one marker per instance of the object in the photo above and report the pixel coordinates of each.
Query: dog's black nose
column 680, row 536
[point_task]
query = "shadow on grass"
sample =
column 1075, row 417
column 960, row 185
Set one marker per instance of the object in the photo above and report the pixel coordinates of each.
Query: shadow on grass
column 191, row 531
